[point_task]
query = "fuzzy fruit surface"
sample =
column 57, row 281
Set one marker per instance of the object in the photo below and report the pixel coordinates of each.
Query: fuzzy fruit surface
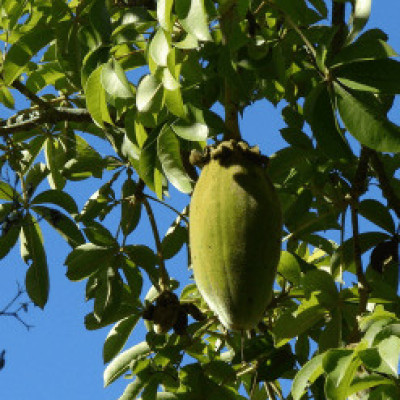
column 235, row 238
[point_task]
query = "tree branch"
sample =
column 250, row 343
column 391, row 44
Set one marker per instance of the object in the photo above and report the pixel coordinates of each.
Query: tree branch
column 384, row 183
column 164, row 278
column 15, row 314
column 30, row 95
column 38, row 117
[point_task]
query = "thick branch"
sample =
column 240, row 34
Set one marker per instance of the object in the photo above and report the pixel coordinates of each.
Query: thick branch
column 384, row 183
column 52, row 116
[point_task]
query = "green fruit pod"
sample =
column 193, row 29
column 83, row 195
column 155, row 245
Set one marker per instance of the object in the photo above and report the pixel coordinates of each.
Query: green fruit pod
column 235, row 234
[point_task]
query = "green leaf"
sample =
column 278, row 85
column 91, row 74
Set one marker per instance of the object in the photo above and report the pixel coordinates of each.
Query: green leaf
column 59, row 198
column 96, row 98
column 331, row 336
column 148, row 160
column 133, row 389
column 290, row 324
column 360, row 17
column 86, row 259
column 149, row 94
column 122, row 362
column 37, row 276
column 100, row 235
column 100, row 20
column 289, row 268
column 322, row 285
column 133, row 277
column 308, row 374
column 191, row 131
column 373, row 49
column 340, row 366
column 389, row 350
column 298, row 11
column 377, row 213
column 62, row 224
column 114, row 81
column 377, row 76
column 168, row 151
column 23, row 50
column 164, row 8
column 193, row 17
column 141, row 255
column 374, row 361
column 318, row 111
column 7, row 192
column 10, row 231
column 118, row 336
column 362, row 383
column 174, row 102
column 365, row 120
column 159, row 48
column 6, row 97
column 130, row 209
column 174, row 239
column 345, row 253
column 53, row 154
column 98, row 56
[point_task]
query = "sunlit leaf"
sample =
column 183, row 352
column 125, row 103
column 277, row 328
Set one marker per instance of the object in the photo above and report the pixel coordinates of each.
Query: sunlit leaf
column 121, row 363
column 193, row 17
column 168, row 150
column 118, row 336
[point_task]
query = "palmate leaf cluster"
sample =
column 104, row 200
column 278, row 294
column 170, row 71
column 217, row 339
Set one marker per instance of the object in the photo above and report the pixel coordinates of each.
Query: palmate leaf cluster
column 143, row 77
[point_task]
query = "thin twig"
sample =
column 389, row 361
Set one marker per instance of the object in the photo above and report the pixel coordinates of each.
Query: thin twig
column 15, row 314
column 168, row 206
column 164, row 278
column 30, row 95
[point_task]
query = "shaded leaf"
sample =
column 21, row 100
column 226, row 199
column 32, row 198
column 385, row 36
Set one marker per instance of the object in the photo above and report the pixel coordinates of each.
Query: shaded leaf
column 377, row 213
column 66, row 227
column 86, row 259
column 32, row 249
column 319, row 112
column 59, row 198
column 365, row 120
column 378, row 76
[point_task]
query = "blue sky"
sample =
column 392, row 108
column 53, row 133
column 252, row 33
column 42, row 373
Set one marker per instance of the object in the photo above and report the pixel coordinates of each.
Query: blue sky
column 58, row 358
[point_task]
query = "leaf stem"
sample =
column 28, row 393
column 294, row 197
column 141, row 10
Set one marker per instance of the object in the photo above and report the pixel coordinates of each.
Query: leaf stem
column 164, row 278
column 232, row 130
column 168, row 206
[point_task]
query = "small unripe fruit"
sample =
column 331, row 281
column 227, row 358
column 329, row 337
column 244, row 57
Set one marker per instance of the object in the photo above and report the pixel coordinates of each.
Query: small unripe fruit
column 235, row 234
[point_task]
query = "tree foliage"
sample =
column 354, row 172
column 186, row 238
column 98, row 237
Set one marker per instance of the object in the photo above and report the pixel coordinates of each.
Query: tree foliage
column 144, row 77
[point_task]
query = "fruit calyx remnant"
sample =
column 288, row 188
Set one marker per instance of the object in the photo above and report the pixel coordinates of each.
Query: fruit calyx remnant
column 228, row 152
